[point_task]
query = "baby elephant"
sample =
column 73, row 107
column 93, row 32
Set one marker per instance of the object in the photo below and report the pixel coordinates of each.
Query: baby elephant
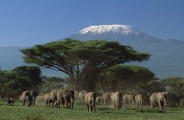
column 10, row 101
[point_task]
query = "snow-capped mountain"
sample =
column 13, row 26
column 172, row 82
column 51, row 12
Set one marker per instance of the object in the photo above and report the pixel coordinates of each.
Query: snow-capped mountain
column 118, row 29
column 112, row 32
column 167, row 55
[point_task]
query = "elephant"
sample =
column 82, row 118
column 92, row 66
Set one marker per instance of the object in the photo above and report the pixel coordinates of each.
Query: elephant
column 139, row 100
column 53, row 95
column 56, row 104
column 29, row 97
column 65, row 97
column 129, row 100
column 106, row 98
column 116, row 99
column 173, row 99
column 99, row 99
column 82, row 94
column 10, row 101
column 159, row 99
column 125, row 100
column 76, row 94
column 90, row 99
column 48, row 99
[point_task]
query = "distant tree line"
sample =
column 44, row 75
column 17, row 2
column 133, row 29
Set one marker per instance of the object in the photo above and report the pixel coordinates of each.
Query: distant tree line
column 14, row 82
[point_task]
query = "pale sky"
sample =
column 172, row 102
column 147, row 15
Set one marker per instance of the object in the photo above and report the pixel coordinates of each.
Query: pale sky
column 29, row 22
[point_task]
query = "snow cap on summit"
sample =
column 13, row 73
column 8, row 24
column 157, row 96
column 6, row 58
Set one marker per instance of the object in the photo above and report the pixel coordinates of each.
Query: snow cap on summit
column 100, row 29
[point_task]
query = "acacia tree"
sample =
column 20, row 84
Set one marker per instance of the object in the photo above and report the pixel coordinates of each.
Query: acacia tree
column 81, row 61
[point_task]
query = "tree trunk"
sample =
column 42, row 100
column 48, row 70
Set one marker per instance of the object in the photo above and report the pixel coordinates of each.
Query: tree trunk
column 100, row 84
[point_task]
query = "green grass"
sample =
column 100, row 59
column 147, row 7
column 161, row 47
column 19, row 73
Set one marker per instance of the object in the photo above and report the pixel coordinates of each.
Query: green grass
column 41, row 112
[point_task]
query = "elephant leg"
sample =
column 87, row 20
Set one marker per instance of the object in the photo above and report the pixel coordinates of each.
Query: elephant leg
column 133, row 104
column 104, row 102
column 23, row 103
column 53, row 103
column 161, row 105
column 63, row 103
column 59, row 103
column 34, row 102
column 117, row 105
column 63, row 106
column 114, row 105
column 66, row 105
column 151, row 106
column 94, row 107
column 27, row 103
column 69, row 105
column 87, row 105
column 72, row 104
column 91, row 108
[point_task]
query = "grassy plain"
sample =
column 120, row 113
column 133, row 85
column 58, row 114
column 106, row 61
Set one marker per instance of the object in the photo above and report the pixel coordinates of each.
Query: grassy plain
column 41, row 112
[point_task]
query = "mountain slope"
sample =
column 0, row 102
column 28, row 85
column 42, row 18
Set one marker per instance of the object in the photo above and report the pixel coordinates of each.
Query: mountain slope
column 167, row 55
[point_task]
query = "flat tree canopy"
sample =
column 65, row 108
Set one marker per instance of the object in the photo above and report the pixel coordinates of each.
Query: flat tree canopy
column 81, row 59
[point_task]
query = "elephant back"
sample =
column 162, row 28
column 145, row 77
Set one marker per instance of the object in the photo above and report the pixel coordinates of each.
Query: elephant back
column 116, row 97
column 82, row 94
column 125, row 98
column 47, row 97
column 107, row 95
column 99, row 99
column 154, row 99
column 138, row 98
column 25, row 94
column 91, row 96
column 76, row 94
column 60, row 94
column 53, row 94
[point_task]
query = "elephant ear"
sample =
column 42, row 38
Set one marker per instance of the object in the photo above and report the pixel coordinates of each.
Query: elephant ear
column 27, row 93
column 35, row 93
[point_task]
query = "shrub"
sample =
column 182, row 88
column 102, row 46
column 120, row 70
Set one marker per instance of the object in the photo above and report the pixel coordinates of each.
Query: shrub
column 181, row 104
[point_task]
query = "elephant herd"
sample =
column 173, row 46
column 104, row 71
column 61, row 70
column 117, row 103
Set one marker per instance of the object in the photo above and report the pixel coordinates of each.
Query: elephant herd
column 120, row 100
column 66, row 97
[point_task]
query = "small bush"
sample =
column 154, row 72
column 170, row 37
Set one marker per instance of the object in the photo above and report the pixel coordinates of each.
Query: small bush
column 181, row 104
